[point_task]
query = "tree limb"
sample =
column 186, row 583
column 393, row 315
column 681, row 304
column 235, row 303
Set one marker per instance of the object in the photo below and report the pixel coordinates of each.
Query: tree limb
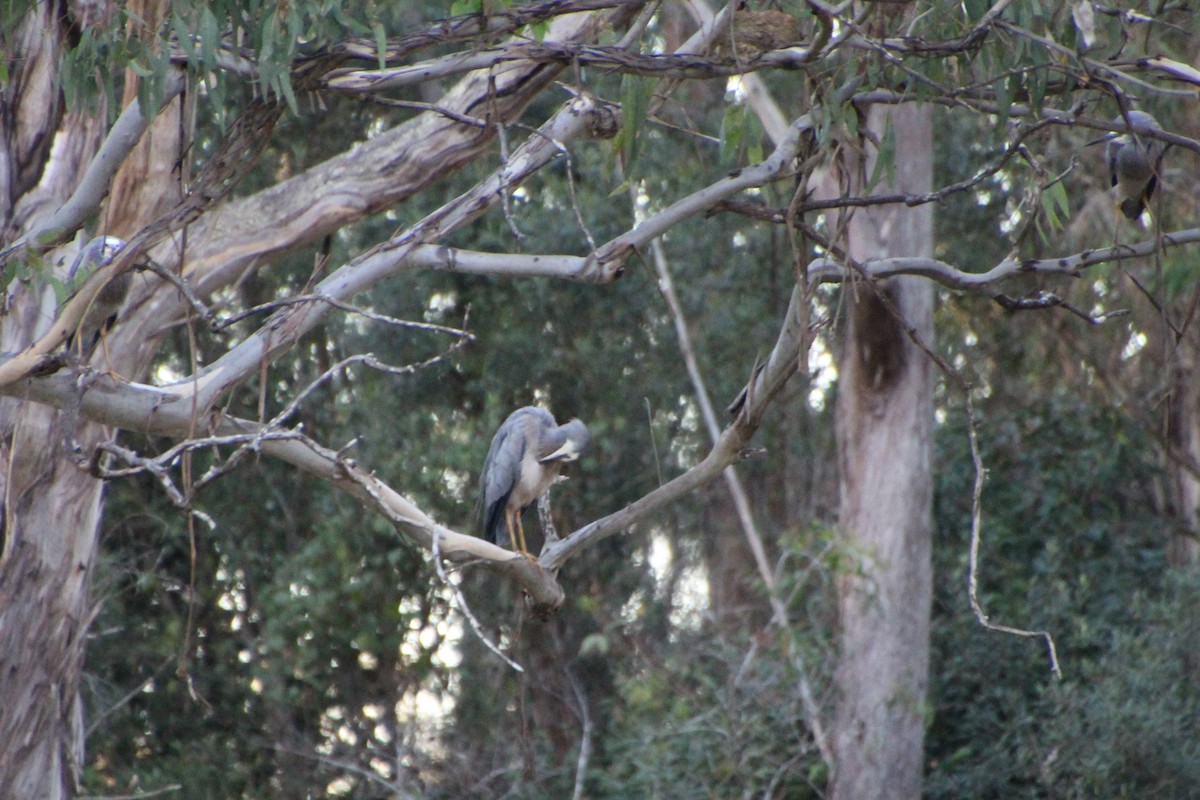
column 828, row 270
column 145, row 409
column 286, row 326
column 93, row 187
column 763, row 387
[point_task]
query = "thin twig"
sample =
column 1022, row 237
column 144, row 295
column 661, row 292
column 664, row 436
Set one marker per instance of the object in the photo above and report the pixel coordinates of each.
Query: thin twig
column 179, row 283
column 585, row 739
column 374, row 316
column 132, row 693
column 466, row 609
column 738, row 493
column 976, row 538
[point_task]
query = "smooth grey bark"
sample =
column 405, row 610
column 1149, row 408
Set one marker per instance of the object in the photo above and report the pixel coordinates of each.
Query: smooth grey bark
column 884, row 424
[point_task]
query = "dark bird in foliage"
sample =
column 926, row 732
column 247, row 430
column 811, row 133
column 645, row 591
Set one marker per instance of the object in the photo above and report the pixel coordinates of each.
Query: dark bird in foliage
column 101, row 312
column 525, row 458
column 1134, row 162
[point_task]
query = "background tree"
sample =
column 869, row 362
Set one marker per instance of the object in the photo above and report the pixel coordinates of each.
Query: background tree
column 317, row 182
column 885, row 417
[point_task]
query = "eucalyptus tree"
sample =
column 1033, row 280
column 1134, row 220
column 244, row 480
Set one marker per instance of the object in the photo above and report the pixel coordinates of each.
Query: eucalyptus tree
column 176, row 166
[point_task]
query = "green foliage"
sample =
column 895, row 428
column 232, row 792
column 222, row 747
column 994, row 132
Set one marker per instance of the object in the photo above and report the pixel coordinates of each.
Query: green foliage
column 224, row 660
column 635, row 102
column 718, row 723
column 741, row 132
column 1071, row 545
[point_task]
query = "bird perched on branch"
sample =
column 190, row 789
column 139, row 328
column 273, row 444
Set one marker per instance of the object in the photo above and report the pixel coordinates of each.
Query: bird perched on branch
column 1134, row 162
column 525, row 458
column 101, row 312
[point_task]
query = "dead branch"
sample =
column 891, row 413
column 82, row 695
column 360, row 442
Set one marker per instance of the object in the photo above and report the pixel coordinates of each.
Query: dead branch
column 286, row 326
column 976, row 539
column 148, row 410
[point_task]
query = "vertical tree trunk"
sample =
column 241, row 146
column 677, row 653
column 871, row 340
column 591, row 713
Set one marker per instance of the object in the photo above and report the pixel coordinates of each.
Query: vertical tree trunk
column 51, row 505
column 884, row 421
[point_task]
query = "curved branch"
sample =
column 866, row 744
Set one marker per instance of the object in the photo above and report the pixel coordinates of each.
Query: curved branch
column 148, row 410
column 285, row 327
column 614, row 59
column 828, row 270
column 607, row 262
column 764, row 385
column 93, row 187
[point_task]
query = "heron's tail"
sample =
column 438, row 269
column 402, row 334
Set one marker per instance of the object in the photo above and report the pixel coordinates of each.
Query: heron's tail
column 494, row 529
column 1132, row 207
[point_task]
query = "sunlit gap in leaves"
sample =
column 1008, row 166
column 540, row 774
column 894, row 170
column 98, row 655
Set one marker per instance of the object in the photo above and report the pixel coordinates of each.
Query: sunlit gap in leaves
column 166, row 374
column 642, row 203
column 735, row 92
column 687, row 449
column 822, row 370
column 690, row 601
column 376, row 127
column 1015, row 216
column 456, row 484
column 233, row 598
column 419, row 715
column 1137, row 340
column 823, row 374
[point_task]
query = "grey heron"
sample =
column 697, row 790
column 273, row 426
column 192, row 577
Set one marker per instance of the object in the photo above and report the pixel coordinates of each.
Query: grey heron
column 1134, row 162
column 525, row 458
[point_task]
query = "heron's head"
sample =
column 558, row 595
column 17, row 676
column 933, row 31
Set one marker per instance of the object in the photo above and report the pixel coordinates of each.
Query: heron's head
column 1139, row 122
column 577, row 441
column 97, row 253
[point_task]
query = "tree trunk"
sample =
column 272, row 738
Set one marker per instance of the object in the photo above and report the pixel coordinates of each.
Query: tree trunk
column 51, row 503
column 884, row 421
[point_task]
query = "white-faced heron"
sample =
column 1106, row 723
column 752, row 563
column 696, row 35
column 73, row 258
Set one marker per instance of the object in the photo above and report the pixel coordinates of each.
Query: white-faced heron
column 525, row 458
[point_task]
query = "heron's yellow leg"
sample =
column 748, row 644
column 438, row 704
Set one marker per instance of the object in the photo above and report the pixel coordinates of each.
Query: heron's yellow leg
column 521, row 533
column 508, row 525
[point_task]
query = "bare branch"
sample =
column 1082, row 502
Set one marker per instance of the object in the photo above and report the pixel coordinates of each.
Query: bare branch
column 827, row 270
column 737, row 492
column 976, row 538
column 471, row 27
column 153, row 411
column 374, row 316
column 607, row 262
column 284, row 328
column 466, row 609
column 614, row 59
column 781, row 364
column 184, row 288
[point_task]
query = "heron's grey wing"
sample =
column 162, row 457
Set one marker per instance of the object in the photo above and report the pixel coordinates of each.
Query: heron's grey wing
column 1110, row 158
column 501, row 469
